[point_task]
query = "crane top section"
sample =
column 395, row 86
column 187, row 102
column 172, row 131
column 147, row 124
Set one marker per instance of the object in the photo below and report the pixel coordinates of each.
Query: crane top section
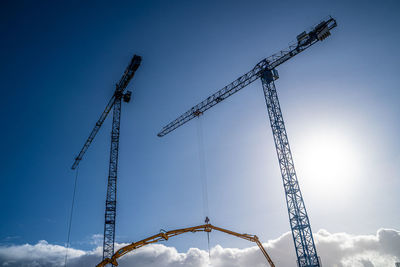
column 304, row 41
column 129, row 72
column 119, row 90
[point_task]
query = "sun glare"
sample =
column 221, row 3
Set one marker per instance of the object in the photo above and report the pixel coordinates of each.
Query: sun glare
column 328, row 162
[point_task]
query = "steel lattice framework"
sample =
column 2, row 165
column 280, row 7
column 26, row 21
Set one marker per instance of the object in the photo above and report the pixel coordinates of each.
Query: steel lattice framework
column 265, row 69
column 299, row 223
column 111, row 198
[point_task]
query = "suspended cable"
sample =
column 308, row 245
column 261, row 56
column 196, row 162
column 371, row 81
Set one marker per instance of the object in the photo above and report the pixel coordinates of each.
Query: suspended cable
column 203, row 171
column 70, row 216
column 207, row 221
column 203, row 177
column 209, row 251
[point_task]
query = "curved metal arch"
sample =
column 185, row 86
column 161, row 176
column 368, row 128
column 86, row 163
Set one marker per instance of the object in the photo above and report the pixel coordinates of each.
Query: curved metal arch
column 163, row 236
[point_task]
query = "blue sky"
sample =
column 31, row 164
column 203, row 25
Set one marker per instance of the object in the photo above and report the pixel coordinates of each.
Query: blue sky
column 59, row 64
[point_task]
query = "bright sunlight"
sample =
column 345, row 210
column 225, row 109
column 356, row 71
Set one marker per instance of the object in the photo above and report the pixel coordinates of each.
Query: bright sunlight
column 328, row 160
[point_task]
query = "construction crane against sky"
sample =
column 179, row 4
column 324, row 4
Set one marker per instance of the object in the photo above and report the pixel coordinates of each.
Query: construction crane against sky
column 265, row 69
column 111, row 199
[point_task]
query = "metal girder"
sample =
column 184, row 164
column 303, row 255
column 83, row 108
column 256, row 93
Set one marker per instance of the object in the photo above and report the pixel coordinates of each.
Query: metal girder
column 298, row 218
column 93, row 132
column 111, row 199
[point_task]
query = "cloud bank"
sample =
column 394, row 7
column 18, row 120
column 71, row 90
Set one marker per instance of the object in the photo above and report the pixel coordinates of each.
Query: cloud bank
column 336, row 250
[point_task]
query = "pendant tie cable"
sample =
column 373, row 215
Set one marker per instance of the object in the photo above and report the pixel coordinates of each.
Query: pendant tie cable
column 70, row 216
column 203, row 177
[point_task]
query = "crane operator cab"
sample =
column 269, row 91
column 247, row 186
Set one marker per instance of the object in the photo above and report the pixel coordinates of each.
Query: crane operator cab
column 270, row 75
column 127, row 96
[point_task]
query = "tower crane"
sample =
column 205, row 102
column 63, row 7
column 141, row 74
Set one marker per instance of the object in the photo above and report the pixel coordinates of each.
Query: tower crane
column 111, row 198
column 266, row 71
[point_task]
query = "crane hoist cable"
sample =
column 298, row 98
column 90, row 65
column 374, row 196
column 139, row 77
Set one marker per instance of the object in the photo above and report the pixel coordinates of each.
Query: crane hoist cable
column 70, row 216
column 202, row 167
column 164, row 236
column 203, row 177
column 207, row 221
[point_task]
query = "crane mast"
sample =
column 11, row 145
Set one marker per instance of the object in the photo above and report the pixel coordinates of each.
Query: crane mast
column 111, row 197
column 298, row 218
column 266, row 70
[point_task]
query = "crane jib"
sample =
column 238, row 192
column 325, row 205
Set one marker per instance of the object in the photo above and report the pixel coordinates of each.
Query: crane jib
column 121, row 86
column 318, row 33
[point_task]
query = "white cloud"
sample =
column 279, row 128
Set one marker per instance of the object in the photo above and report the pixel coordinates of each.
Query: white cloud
column 41, row 254
column 336, row 250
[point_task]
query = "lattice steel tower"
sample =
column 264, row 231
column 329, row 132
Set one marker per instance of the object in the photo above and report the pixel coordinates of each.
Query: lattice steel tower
column 111, row 198
column 265, row 69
